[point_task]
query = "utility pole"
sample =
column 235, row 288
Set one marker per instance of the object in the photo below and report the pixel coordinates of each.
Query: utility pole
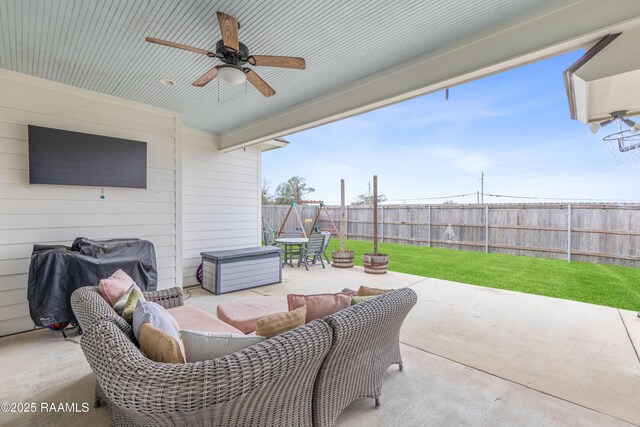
column 482, row 187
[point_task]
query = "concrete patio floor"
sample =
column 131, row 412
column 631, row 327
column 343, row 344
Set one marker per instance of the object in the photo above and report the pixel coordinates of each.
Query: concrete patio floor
column 473, row 356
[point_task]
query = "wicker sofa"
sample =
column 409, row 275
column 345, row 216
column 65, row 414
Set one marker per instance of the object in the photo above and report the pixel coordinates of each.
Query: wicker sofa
column 303, row 377
column 267, row 384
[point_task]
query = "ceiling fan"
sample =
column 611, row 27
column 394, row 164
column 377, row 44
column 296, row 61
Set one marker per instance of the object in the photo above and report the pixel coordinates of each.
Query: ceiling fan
column 234, row 56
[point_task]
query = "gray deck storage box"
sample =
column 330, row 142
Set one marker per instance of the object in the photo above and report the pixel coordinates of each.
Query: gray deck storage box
column 228, row 271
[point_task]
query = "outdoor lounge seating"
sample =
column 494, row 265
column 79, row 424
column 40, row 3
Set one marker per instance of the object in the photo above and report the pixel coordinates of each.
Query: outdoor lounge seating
column 276, row 386
column 297, row 378
column 366, row 341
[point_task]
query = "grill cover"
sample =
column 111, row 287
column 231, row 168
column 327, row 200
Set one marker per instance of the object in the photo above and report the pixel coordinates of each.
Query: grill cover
column 56, row 271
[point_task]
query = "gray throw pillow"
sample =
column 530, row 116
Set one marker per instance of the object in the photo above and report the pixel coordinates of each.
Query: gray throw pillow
column 157, row 316
column 201, row 346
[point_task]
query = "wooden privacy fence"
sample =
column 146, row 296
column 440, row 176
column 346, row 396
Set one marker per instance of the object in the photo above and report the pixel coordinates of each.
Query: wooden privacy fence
column 602, row 233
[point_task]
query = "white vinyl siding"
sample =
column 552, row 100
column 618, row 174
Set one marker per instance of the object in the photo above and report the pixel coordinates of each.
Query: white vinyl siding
column 220, row 199
column 52, row 214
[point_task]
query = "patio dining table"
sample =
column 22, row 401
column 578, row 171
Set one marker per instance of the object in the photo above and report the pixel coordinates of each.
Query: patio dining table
column 289, row 243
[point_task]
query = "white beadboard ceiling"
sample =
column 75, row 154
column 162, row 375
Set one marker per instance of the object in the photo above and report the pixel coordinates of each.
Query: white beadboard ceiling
column 99, row 45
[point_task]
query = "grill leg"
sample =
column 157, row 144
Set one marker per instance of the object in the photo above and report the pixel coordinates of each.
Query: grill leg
column 377, row 402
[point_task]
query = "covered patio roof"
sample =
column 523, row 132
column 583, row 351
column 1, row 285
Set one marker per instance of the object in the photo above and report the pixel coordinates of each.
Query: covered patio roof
column 360, row 55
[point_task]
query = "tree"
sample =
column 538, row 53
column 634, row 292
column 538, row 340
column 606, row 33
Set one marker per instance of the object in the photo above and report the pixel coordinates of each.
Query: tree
column 267, row 198
column 292, row 191
column 365, row 199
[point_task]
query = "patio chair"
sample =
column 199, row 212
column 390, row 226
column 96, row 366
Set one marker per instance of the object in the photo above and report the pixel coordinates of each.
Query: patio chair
column 290, row 252
column 312, row 251
column 325, row 245
column 268, row 238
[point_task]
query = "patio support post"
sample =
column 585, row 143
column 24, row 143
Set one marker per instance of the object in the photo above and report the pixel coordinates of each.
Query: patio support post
column 486, row 229
column 429, row 225
column 569, row 232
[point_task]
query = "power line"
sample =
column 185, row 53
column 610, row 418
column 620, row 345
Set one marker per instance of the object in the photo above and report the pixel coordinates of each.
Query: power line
column 507, row 196
column 557, row 198
column 432, row 198
column 425, row 198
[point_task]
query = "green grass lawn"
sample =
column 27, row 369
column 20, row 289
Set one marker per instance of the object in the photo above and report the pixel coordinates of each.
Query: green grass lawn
column 608, row 285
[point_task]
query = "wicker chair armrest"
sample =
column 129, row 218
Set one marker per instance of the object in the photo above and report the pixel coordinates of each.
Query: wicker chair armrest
column 168, row 298
column 258, row 380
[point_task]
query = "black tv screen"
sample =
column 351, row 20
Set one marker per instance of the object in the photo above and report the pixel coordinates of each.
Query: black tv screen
column 63, row 157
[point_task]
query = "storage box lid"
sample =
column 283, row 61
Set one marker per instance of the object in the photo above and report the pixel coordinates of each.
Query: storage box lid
column 239, row 253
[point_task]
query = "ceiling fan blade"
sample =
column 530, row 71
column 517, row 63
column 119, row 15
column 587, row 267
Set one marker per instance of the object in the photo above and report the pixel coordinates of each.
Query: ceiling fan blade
column 259, row 84
column 278, row 61
column 179, row 46
column 229, row 30
column 206, row 77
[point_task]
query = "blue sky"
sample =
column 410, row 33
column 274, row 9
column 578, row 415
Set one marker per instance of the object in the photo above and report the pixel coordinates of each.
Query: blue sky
column 514, row 126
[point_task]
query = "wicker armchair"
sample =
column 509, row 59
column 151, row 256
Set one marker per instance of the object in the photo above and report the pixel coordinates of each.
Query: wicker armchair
column 366, row 341
column 267, row 384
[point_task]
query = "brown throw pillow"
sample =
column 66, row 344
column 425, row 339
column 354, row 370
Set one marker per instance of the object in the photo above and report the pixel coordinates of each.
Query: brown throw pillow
column 365, row 291
column 276, row 324
column 159, row 346
column 319, row 305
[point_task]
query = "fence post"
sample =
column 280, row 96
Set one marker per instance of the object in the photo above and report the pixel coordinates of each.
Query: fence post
column 429, row 225
column 569, row 232
column 382, row 224
column 486, row 229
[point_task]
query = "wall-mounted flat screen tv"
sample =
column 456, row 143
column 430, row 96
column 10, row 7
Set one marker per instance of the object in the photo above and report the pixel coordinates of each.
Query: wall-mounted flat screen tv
column 63, row 157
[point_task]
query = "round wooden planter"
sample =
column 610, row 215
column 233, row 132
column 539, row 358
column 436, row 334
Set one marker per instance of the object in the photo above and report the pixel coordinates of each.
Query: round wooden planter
column 375, row 264
column 343, row 259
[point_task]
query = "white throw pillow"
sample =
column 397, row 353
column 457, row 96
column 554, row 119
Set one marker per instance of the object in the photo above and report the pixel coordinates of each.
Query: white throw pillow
column 200, row 346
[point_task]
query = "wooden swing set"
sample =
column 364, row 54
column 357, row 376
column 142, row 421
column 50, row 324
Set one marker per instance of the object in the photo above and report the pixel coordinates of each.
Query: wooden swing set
column 294, row 208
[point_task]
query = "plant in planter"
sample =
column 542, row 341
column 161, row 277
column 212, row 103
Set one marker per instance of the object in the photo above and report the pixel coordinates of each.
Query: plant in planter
column 375, row 263
column 342, row 258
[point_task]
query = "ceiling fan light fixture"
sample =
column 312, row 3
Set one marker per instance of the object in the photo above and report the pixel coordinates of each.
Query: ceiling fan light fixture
column 167, row 82
column 232, row 74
